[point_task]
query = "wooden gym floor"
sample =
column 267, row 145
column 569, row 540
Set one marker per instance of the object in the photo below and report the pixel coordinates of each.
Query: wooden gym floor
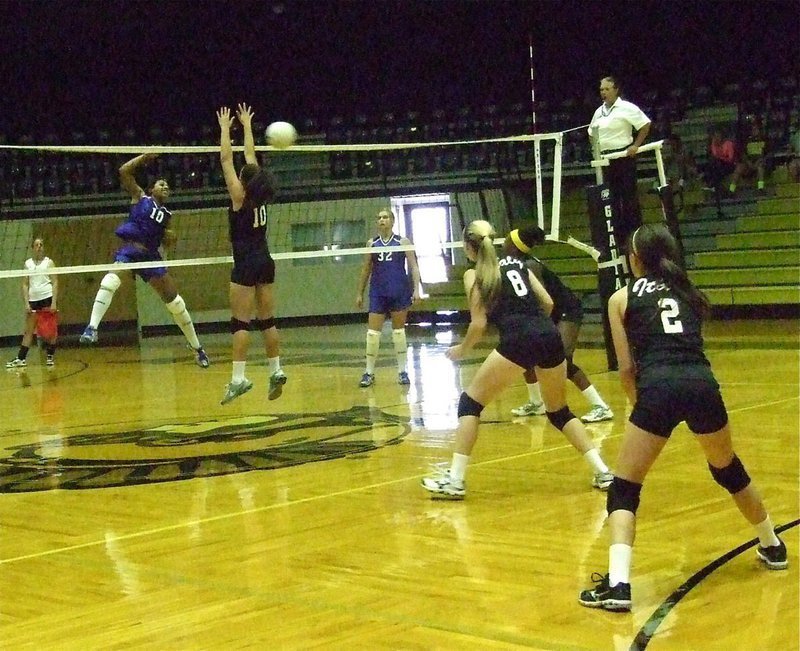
column 139, row 513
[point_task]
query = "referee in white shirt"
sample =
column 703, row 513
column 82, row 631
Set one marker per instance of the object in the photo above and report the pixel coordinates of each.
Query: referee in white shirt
column 614, row 124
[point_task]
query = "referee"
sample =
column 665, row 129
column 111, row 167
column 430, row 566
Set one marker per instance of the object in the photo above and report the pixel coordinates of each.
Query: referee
column 613, row 125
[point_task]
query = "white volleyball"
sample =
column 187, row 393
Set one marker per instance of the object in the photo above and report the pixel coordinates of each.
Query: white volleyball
column 281, row 135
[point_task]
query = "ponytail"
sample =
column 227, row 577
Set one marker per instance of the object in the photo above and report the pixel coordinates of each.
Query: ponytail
column 479, row 235
column 658, row 252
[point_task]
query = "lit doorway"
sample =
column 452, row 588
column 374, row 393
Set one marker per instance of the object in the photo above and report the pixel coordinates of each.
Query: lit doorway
column 425, row 220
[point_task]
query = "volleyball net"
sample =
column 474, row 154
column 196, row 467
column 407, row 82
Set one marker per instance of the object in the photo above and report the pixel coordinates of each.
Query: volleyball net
column 329, row 196
column 503, row 180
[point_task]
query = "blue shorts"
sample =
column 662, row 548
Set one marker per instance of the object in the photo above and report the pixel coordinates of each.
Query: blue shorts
column 133, row 253
column 388, row 304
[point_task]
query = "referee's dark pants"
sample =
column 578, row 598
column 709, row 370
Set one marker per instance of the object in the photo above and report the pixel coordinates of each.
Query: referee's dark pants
column 621, row 180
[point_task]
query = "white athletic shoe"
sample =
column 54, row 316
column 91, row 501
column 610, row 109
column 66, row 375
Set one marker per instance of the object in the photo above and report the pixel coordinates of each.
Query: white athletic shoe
column 236, row 389
column 529, row 409
column 602, row 480
column 443, row 486
column 598, row 414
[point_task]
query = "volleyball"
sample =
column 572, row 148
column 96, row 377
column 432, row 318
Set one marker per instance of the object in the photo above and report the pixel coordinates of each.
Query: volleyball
column 281, row 135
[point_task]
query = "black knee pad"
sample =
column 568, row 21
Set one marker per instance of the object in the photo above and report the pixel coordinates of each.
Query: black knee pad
column 237, row 325
column 264, row 324
column 732, row 477
column 572, row 368
column 560, row 418
column 468, row 407
column 623, row 495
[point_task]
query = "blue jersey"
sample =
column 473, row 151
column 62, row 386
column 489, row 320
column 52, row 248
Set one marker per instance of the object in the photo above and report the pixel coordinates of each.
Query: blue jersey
column 146, row 223
column 389, row 277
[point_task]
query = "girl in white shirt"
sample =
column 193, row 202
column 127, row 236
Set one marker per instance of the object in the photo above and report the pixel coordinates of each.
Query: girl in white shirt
column 39, row 292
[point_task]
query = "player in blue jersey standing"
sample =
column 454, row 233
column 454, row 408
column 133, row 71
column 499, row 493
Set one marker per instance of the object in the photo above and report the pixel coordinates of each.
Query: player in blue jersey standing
column 142, row 233
column 390, row 292
column 253, row 273
column 656, row 326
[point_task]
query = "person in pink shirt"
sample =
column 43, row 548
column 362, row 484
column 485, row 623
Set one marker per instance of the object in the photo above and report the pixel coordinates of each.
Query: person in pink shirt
column 722, row 159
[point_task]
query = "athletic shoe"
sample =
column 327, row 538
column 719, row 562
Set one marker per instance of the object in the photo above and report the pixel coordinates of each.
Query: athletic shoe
column 276, row 382
column 444, row 487
column 602, row 480
column 16, row 363
column 367, row 380
column 616, row 598
column 202, row 358
column 773, row 557
column 598, row 414
column 89, row 335
column 529, row 409
column 236, row 389
column 402, row 378
column 51, row 360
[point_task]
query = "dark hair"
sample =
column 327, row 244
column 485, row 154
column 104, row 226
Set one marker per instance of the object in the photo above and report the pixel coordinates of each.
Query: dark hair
column 527, row 237
column 259, row 186
column 614, row 81
column 659, row 254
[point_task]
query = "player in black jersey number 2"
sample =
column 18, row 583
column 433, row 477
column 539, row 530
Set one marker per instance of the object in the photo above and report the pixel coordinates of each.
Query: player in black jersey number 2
column 656, row 327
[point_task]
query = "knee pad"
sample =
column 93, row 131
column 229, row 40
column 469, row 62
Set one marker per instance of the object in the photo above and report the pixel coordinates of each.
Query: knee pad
column 468, row 407
column 572, row 368
column 732, row 477
column 263, row 324
column 560, row 418
column 110, row 282
column 176, row 305
column 237, row 325
column 623, row 495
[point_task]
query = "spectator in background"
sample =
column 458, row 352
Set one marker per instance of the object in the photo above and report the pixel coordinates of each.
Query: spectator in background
column 794, row 162
column 754, row 158
column 722, row 159
column 680, row 165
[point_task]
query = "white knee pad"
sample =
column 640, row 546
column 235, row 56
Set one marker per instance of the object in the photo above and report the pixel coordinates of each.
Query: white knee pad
column 176, row 306
column 110, row 283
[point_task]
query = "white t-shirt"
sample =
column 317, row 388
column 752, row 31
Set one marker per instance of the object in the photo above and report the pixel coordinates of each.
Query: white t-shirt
column 614, row 125
column 40, row 287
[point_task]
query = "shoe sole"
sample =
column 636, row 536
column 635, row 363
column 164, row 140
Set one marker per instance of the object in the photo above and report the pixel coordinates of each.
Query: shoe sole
column 602, row 487
column 226, row 400
column 276, row 390
column 772, row 565
column 597, row 420
column 612, row 605
column 440, row 494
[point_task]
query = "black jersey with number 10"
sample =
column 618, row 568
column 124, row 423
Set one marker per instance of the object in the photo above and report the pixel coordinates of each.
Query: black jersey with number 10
column 248, row 229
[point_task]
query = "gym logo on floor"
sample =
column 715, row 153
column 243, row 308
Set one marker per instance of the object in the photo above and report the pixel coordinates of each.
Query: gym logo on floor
column 203, row 449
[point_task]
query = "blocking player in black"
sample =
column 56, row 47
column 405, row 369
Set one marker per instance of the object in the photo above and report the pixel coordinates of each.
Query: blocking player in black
column 567, row 315
column 253, row 272
column 656, row 327
column 506, row 294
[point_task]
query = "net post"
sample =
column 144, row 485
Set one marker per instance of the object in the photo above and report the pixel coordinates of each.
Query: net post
column 555, row 216
column 537, row 159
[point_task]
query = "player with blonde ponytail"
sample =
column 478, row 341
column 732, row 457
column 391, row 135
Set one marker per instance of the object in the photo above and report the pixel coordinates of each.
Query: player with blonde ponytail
column 505, row 293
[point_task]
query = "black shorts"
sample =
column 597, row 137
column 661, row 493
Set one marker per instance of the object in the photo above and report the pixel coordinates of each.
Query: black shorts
column 663, row 403
column 42, row 304
column 257, row 268
column 532, row 345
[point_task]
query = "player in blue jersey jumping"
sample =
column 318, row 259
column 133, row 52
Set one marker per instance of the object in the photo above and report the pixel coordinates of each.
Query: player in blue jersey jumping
column 390, row 292
column 142, row 233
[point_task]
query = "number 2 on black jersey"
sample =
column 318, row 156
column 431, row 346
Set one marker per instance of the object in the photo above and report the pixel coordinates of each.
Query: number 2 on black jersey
column 669, row 314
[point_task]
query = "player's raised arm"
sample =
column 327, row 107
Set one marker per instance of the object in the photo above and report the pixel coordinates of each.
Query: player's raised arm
column 245, row 115
column 127, row 175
